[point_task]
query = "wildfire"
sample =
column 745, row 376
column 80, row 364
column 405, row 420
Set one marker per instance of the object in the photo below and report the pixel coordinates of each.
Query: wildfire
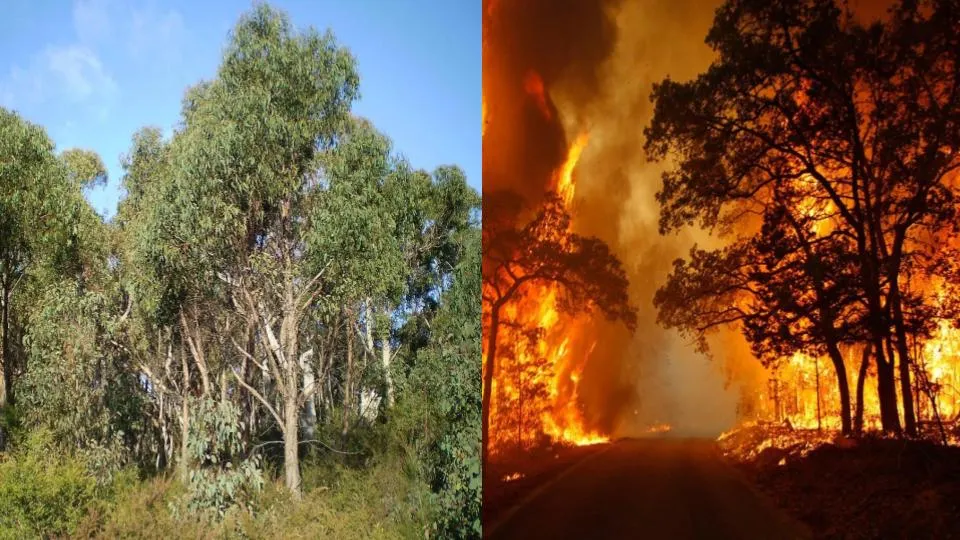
column 511, row 477
column 537, row 385
column 801, row 391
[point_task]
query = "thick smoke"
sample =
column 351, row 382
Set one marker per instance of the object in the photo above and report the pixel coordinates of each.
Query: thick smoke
column 560, row 40
column 652, row 376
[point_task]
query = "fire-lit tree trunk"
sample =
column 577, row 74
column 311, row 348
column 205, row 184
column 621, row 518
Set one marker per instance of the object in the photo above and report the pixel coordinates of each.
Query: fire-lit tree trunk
column 488, row 379
column 827, row 318
column 842, row 385
column 906, row 393
column 886, row 391
column 861, row 377
column 886, row 388
column 816, row 369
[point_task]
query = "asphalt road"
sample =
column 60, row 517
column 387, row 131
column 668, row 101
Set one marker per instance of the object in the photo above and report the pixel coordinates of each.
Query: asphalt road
column 654, row 488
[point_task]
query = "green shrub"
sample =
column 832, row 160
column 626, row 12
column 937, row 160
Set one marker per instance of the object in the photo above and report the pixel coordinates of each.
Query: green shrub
column 42, row 495
column 220, row 477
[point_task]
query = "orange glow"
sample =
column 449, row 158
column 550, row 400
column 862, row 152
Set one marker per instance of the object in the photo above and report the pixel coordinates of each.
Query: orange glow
column 660, row 428
column 483, row 116
column 799, row 382
column 533, row 85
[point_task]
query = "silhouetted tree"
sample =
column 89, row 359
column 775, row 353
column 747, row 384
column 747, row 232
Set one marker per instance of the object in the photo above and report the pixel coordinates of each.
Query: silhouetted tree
column 866, row 117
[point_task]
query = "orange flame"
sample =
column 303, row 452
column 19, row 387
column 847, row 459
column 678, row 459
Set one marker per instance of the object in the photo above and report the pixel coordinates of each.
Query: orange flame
column 564, row 177
column 538, row 385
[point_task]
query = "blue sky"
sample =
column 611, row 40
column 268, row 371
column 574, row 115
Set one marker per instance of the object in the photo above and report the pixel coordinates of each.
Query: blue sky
column 92, row 72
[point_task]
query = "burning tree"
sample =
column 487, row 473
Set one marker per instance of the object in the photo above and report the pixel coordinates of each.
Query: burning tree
column 545, row 261
column 828, row 150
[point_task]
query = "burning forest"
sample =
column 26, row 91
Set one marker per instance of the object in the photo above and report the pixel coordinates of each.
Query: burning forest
column 806, row 194
column 734, row 220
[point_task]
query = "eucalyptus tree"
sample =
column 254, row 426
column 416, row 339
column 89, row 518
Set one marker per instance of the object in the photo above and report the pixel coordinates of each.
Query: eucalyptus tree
column 54, row 262
column 353, row 238
column 40, row 202
column 402, row 226
column 155, row 277
column 445, row 380
column 244, row 172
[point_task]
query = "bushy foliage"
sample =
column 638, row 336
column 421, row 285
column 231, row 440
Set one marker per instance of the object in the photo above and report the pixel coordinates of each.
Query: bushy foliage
column 221, row 477
column 78, row 386
column 339, row 502
column 443, row 394
column 42, row 493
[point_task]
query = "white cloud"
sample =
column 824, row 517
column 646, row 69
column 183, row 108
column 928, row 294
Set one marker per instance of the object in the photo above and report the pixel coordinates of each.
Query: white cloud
column 71, row 73
column 75, row 72
column 79, row 72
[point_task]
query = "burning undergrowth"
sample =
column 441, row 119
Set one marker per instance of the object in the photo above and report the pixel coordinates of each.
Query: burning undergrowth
column 764, row 444
column 874, row 487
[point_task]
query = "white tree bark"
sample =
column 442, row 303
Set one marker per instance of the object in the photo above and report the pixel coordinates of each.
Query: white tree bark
column 308, row 418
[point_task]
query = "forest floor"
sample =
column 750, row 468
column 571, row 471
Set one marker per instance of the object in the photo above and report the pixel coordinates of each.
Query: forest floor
column 671, row 488
column 510, row 482
column 854, row 489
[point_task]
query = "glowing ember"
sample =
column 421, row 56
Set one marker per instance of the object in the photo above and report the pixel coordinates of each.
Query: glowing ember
column 660, row 428
column 512, row 477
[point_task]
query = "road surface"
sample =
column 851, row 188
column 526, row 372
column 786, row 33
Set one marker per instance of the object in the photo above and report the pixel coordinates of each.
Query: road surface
column 654, row 488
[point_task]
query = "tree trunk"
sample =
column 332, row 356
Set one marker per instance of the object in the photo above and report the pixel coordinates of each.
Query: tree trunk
column 291, row 442
column 162, row 422
column 309, row 413
column 844, row 387
column 184, row 417
column 348, row 381
column 903, row 356
column 6, row 369
column 387, row 353
column 488, row 381
column 185, row 435
column 861, row 377
column 816, row 369
column 289, row 334
column 879, row 330
column 886, row 392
